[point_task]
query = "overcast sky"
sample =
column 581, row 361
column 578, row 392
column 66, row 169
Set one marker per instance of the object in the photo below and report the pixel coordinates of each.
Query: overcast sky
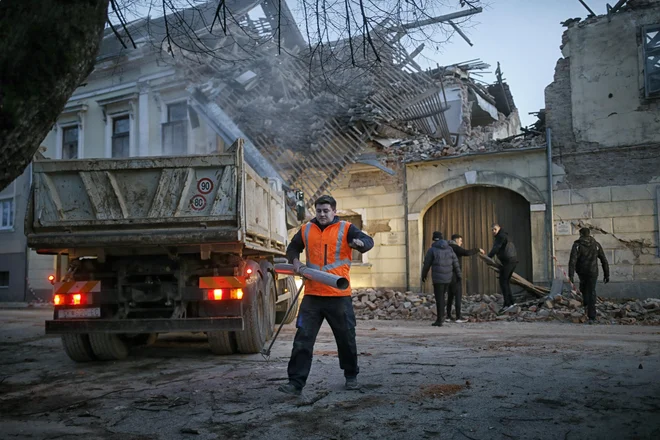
column 524, row 36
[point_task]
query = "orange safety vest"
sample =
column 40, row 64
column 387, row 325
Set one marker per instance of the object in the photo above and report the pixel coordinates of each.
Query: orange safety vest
column 328, row 251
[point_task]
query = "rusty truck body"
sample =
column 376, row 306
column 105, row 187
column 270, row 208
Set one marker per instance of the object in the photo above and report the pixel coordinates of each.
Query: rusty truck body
column 161, row 244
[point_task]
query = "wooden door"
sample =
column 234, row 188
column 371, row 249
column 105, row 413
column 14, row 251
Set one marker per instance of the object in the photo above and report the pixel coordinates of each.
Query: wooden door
column 470, row 213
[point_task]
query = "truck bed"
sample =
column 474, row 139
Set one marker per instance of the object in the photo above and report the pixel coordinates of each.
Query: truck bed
column 213, row 202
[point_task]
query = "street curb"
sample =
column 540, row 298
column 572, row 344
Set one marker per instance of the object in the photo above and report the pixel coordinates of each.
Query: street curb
column 25, row 305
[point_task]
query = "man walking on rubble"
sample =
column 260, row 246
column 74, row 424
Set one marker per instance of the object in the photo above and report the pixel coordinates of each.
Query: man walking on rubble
column 456, row 286
column 445, row 266
column 328, row 243
column 505, row 251
column 585, row 254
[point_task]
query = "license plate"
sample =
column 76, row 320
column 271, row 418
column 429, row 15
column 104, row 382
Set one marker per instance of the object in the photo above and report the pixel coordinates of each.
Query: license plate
column 94, row 312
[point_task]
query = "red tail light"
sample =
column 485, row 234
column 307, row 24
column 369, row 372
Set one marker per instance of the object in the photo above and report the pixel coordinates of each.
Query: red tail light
column 75, row 299
column 51, row 278
column 249, row 272
column 220, row 294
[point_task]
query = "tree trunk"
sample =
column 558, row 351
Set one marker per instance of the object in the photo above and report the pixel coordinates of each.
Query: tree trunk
column 47, row 49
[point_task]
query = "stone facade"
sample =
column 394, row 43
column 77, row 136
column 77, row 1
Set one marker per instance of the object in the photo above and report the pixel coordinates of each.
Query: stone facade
column 606, row 138
column 378, row 199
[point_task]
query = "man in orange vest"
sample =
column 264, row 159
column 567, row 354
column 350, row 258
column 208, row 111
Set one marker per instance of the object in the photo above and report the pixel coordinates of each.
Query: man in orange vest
column 328, row 243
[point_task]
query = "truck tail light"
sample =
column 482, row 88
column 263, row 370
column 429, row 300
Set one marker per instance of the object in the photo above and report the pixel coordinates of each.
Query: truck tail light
column 221, row 294
column 51, row 278
column 74, row 299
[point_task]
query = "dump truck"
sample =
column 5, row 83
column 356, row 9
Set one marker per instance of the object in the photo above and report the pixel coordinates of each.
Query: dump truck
column 161, row 244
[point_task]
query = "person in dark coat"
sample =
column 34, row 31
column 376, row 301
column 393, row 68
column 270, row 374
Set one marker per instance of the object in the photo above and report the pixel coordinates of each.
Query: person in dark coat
column 585, row 254
column 456, row 287
column 505, row 251
column 444, row 264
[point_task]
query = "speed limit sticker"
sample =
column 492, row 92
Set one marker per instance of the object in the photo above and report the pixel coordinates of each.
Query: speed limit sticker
column 205, row 185
column 198, row 203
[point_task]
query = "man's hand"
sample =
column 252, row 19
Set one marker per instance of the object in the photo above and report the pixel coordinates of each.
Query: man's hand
column 482, row 252
column 297, row 265
column 356, row 243
column 606, row 280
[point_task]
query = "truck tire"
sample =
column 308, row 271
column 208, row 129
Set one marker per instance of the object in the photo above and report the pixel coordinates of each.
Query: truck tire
column 222, row 343
column 253, row 337
column 108, row 347
column 78, row 348
column 291, row 287
column 270, row 290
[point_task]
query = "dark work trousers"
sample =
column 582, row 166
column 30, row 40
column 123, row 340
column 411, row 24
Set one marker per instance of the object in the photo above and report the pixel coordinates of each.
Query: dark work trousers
column 338, row 311
column 455, row 295
column 439, row 290
column 505, row 282
column 588, row 289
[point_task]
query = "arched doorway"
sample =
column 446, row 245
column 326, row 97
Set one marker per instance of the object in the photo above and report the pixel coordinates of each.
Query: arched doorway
column 470, row 212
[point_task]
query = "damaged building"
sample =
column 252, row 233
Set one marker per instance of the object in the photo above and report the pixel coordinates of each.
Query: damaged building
column 405, row 151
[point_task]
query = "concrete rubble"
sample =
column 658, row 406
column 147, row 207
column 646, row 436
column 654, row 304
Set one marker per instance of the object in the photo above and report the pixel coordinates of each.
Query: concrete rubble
column 426, row 148
column 390, row 304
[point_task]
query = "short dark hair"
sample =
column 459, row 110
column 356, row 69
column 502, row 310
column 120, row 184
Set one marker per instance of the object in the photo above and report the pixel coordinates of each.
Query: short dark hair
column 585, row 232
column 495, row 224
column 456, row 236
column 326, row 200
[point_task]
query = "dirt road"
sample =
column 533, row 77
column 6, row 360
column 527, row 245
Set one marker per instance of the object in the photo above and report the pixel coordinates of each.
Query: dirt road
column 496, row 380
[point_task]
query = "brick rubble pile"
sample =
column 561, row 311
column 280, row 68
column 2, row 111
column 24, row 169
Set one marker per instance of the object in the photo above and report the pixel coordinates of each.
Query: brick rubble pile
column 425, row 148
column 389, row 305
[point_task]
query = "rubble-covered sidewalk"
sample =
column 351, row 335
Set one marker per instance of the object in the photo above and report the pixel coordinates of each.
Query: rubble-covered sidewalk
column 390, row 305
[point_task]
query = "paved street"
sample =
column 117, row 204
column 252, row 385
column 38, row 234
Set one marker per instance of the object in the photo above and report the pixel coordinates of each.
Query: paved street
column 463, row 381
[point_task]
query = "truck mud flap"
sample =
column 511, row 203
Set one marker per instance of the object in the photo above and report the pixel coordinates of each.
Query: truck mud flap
column 68, row 326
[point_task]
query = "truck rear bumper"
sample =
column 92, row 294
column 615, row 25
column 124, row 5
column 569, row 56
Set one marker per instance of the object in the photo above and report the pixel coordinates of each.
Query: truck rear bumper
column 68, row 326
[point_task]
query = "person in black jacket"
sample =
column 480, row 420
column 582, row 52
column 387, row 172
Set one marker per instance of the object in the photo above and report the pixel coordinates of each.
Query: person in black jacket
column 445, row 266
column 505, row 251
column 585, row 254
column 456, row 287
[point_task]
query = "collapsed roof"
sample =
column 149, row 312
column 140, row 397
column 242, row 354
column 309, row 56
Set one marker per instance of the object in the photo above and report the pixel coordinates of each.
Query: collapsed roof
column 308, row 113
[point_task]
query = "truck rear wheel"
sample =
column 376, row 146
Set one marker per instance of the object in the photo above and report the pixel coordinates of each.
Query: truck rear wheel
column 282, row 316
column 78, row 348
column 222, row 343
column 253, row 337
column 270, row 290
column 108, row 347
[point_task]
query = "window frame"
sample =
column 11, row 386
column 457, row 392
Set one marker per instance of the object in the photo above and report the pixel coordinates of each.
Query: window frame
column 645, row 54
column 126, row 135
column 167, row 122
column 5, row 286
column 62, row 130
column 12, row 213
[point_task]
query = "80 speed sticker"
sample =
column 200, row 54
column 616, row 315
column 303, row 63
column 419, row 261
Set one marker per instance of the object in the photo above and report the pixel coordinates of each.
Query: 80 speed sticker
column 198, row 202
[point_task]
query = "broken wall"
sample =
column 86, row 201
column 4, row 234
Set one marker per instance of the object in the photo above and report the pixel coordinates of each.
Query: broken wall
column 606, row 137
column 378, row 198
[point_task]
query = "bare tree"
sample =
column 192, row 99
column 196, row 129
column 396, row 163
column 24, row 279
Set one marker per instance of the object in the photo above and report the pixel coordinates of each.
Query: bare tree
column 48, row 47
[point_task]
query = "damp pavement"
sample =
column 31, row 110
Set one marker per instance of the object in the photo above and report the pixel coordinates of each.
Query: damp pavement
column 475, row 381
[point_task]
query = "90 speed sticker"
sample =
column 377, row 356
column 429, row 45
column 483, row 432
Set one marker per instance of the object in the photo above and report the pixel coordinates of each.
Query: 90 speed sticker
column 205, row 185
column 198, row 202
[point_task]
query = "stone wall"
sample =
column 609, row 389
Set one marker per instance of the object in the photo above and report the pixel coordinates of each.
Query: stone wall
column 624, row 221
column 524, row 172
column 378, row 198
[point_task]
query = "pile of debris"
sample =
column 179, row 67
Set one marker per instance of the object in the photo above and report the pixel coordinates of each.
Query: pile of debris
column 390, row 305
column 422, row 148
